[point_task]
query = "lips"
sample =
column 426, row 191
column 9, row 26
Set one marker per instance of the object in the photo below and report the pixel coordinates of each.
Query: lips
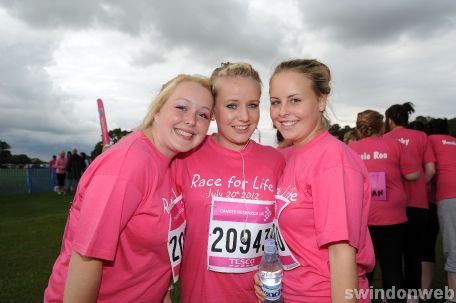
column 184, row 133
column 241, row 127
column 288, row 124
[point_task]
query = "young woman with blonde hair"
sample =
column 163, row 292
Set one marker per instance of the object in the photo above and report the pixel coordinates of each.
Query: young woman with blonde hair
column 117, row 238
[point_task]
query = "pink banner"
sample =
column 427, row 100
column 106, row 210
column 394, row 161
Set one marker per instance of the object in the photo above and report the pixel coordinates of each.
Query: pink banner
column 234, row 262
column 104, row 128
column 243, row 212
column 378, row 185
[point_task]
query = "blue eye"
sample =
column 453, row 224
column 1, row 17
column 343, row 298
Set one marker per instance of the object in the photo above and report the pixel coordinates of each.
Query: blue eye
column 253, row 105
column 231, row 105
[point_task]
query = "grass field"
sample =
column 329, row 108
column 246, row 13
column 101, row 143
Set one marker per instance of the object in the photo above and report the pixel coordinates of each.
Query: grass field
column 31, row 231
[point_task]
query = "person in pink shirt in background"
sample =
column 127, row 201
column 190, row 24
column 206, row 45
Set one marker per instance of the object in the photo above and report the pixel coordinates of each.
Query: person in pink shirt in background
column 117, row 245
column 388, row 165
column 418, row 147
column 444, row 147
column 228, row 186
column 323, row 195
column 60, row 166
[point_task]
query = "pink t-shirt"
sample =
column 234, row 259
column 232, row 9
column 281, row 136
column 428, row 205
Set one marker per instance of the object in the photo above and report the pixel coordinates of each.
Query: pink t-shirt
column 286, row 152
column 214, row 170
column 327, row 187
column 420, row 150
column 60, row 164
column 386, row 156
column 444, row 147
column 118, row 216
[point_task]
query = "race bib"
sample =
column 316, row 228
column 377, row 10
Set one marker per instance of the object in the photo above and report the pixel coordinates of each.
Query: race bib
column 288, row 260
column 237, row 230
column 176, row 235
column 378, row 185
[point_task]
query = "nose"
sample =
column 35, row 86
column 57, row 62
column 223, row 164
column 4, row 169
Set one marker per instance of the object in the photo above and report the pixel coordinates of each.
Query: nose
column 283, row 109
column 190, row 119
column 243, row 113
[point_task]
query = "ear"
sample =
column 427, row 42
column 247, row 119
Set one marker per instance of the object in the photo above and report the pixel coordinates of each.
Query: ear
column 322, row 102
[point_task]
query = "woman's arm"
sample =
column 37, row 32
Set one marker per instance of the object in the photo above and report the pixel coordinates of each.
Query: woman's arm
column 413, row 176
column 83, row 279
column 344, row 271
column 429, row 171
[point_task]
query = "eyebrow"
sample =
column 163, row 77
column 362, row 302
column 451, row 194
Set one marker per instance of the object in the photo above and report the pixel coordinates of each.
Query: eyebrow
column 189, row 101
column 289, row 96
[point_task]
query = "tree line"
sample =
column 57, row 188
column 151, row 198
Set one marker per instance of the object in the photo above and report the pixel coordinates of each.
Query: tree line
column 7, row 158
column 116, row 134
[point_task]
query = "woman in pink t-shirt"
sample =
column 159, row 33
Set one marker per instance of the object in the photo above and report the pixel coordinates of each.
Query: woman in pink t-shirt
column 444, row 146
column 323, row 195
column 388, row 165
column 417, row 146
column 118, row 240
column 228, row 186
column 60, row 166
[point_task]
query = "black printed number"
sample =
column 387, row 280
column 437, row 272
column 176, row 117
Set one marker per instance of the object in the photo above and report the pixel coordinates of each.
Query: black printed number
column 175, row 242
column 214, row 245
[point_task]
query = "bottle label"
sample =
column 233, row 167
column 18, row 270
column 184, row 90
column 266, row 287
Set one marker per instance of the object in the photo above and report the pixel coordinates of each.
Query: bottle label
column 289, row 261
column 272, row 292
column 176, row 230
column 237, row 231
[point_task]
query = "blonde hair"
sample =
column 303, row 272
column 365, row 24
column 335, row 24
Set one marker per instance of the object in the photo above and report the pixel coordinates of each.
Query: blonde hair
column 369, row 122
column 228, row 69
column 166, row 90
column 317, row 72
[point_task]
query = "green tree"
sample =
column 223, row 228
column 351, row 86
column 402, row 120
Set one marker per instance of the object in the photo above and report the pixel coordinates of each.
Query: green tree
column 452, row 126
column 20, row 159
column 5, row 153
column 115, row 135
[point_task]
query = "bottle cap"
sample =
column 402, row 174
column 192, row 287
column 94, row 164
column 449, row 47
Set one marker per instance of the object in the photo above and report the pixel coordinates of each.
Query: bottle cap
column 269, row 247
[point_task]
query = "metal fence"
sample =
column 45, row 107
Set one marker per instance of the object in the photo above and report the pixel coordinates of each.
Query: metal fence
column 25, row 180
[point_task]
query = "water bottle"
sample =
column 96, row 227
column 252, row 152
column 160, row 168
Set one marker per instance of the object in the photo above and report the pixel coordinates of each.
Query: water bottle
column 271, row 273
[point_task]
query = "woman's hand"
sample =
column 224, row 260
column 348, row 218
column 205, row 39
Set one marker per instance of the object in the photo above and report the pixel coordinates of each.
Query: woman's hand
column 258, row 290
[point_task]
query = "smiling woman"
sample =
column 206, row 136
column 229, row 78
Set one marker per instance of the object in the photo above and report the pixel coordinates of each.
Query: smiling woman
column 228, row 184
column 321, row 227
column 117, row 237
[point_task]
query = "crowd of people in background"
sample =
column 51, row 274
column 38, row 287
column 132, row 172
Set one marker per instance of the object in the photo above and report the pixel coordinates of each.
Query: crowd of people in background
column 412, row 167
column 66, row 169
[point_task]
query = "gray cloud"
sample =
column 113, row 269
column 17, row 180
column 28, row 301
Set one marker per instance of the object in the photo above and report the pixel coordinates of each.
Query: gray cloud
column 379, row 52
column 374, row 22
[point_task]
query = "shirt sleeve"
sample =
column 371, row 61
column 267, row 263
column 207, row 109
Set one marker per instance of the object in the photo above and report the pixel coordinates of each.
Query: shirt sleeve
column 429, row 156
column 107, row 206
column 408, row 164
column 338, row 195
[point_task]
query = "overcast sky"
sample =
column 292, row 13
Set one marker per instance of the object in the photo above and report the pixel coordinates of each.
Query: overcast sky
column 58, row 57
